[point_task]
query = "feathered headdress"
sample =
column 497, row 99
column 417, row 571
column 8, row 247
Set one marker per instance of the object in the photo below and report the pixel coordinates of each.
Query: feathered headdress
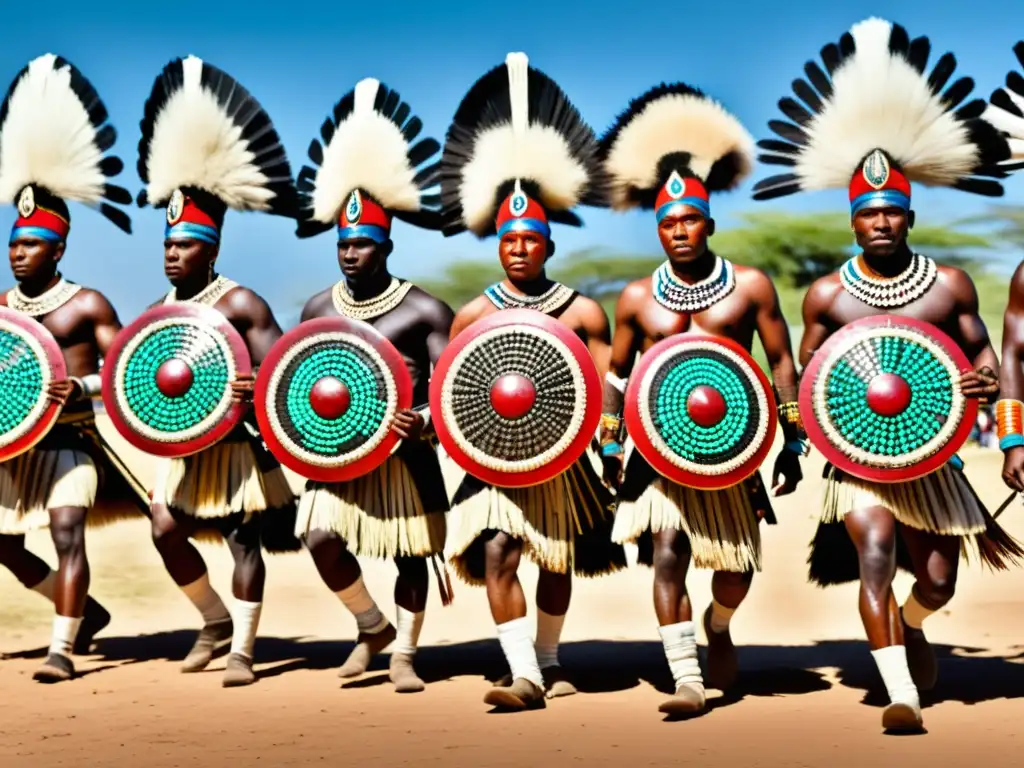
column 878, row 122
column 208, row 145
column 672, row 146
column 517, row 155
column 1006, row 112
column 54, row 137
column 369, row 169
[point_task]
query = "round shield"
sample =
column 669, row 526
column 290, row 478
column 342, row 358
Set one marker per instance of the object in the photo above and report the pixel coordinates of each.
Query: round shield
column 167, row 379
column 30, row 360
column 700, row 411
column 881, row 399
column 516, row 398
column 325, row 397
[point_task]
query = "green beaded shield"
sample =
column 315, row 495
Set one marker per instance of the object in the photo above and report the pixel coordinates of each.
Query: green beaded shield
column 30, row 360
column 168, row 377
column 326, row 396
column 881, row 399
column 700, row 411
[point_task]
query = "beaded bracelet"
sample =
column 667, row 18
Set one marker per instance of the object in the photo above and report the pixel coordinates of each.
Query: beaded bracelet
column 611, row 422
column 789, row 413
column 611, row 449
column 1010, row 424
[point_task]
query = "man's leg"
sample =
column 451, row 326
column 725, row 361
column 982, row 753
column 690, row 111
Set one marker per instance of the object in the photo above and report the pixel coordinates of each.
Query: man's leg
column 727, row 592
column 171, row 532
column 935, row 559
column 247, row 584
column 341, row 573
column 34, row 573
column 411, row 588
column 675, row 622
column 67, row 529
column 873, row 531
column 508, row 607
column 554, row 591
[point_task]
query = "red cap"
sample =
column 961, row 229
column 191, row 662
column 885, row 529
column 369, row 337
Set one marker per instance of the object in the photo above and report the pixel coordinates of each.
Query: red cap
column 681, row 191
column 876, row 183
column 36, row 221
column 519, row 212
column 187, row 221
column 363, row 217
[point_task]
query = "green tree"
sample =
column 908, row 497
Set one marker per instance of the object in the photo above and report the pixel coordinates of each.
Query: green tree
column 1007, row 220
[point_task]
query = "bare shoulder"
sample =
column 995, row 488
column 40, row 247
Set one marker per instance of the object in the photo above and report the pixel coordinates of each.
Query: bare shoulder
column 242, row 302
column 823, row 291
column 317, row 304
column 589, row 311
column 958, row 282
column 754, row 282
column 470, row 313
column 94, row 304
column 633, row 296
column 428, row 305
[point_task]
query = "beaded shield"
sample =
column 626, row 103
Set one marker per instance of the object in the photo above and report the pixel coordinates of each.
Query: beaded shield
column 881, row 399
column 167, row 379
column 700, row 411
column 516, row 398
column 326, row 395
column 30, row 360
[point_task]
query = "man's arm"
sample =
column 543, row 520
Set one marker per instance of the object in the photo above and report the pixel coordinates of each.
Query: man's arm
column 625, row 345
column 438, row 316
column 468, row 315
column 817, row 301
column 316, row 306
column 983, row 381
column 260, row 326
column 440, row 320
column 1010, row 408
column 595, row 325
column 774, row 334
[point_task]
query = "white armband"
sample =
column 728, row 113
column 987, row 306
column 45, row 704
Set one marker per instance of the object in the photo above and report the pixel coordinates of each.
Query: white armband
column 615, row 381
column 92, row 386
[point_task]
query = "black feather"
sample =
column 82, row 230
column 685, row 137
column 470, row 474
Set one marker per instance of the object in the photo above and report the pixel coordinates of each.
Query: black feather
column 776, row 186
column 111, row 166
column 971, row 110
column 117, row 216
column 327, row 130
column 794, row 111
column 1015, row 82
column 984, row 187
column 422, row 151
column 830, row 57
column 957, row 92
column 306, row 181
column 1001, row 99
column 899, row 41
column 1018, row 49
column 774, row 145
column 142, row 198
column 944, row 69
column 847, row 45
column 116, row 194
column 818, row 79
column 789, row 132
column 777, row 160
column 423, row 218
column 807, row 95
column 412, row 129
column 310, row 228
column 428, row 176
column 316, row 152
column 920, row 50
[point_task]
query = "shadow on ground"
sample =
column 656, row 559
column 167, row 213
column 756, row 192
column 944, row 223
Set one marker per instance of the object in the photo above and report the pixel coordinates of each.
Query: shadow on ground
column 602, row 666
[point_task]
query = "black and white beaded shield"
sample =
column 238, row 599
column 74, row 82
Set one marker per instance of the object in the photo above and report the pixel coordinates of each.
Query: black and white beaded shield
column 516, row 398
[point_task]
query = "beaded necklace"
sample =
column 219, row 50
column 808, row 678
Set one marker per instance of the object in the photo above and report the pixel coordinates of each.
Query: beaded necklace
column 375, row 306
column 674, row 294
column 49, row 300
column 209, row 296
column 552, row 299
column 898, row 291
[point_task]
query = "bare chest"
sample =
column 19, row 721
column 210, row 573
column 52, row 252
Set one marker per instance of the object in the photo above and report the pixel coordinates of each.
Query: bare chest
column 732, row 317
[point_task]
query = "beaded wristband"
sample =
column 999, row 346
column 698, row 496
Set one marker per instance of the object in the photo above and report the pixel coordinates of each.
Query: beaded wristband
column 1010, row 424
column 799, row 447
column 611, row 449
column 611, row 422
column 789, row 413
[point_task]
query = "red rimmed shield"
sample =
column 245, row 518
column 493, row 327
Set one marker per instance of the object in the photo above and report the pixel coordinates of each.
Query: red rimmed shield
column 30, row 360
column 515, row 398
column 167, row 379
column 700, row 411
column 326, row 395
column 881, row 399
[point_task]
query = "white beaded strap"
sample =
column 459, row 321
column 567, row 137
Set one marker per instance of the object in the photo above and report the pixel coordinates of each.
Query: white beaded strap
column 616, row 381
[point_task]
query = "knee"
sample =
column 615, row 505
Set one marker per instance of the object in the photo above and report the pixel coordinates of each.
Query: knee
column 937, row 591
column 166, row 532
column 878, row 558
column 501, row 555
column 671, row 556
column 68, row 534
column 412, row 569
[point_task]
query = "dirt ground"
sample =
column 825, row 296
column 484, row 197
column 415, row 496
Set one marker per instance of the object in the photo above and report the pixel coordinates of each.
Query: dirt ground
column 809, row 694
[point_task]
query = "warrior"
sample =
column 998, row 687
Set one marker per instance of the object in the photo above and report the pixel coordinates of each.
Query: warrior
column 858, row 136
column 517, row 157
column 234, row 489
column 54, row 139
column 1006, row 112
column 670, row 148
column 370, row 172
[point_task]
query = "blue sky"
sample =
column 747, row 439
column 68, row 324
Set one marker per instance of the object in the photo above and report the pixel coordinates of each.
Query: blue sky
column 299, row 58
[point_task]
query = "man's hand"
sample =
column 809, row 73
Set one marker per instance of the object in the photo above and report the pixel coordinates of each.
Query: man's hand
column 63, row 391
column 1013, row 468
column 408, row 424
column 242, row 389
column 758, row 497
column 982, row 384
column 612, row 471
column 787, row 469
